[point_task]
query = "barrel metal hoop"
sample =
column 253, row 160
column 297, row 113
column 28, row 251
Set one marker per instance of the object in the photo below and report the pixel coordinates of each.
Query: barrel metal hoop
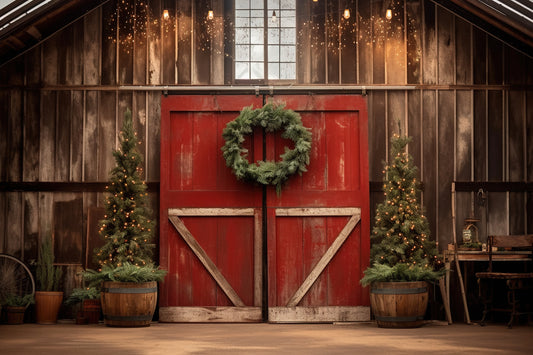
column 398, row 319
column 130, row 290
column 398, row 291
column 146, row 317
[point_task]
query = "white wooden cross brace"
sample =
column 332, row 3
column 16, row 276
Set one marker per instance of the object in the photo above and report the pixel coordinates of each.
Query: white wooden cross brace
column 355, row 214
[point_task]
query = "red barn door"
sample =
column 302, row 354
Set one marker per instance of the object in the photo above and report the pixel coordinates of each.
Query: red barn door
column 210, row 239
column 212, row 230
column 318, row 229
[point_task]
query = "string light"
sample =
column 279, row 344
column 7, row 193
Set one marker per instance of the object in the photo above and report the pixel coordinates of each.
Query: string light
column 346, row 13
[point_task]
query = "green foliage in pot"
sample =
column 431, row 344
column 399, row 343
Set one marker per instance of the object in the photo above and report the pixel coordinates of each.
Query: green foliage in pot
column 48, row 275
column 401, row 246
column 78, row 295
column 125, row 273
column 13, row 300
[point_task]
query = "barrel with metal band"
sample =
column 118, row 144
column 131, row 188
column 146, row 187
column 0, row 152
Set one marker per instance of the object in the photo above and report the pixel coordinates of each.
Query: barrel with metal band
column 399, row 304
column 128, row 304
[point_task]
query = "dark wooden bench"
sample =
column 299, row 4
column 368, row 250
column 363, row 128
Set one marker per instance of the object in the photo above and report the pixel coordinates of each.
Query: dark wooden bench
column 519, row 285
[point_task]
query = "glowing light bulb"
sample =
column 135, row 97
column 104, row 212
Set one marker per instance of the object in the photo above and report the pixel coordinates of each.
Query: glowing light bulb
column 388, row 14
column 210, row 15
column 346, row 13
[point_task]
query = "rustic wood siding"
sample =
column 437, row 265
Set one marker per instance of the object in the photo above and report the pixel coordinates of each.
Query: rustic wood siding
column 61, row 104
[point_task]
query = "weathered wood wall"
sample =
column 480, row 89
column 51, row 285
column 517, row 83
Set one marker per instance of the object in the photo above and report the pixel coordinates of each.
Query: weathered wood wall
column 469, row 109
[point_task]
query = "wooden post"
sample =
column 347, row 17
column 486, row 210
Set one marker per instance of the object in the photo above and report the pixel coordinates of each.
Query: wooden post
column 456, row 257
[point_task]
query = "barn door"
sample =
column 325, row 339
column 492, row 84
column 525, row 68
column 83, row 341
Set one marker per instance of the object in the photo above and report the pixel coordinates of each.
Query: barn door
column 212, row 232
column 318, row 229
column 210, row 239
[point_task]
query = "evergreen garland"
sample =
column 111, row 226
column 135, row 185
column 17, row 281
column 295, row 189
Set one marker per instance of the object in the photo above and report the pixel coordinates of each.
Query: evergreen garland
column 127, row 228
column 401, row 246
column 272, row 118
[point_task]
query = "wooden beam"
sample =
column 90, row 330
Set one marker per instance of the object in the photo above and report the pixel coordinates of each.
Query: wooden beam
column 324, row 314
column 50, row 186
column 210, row 314
column 494, row 186
column 324, row 261
column 312, row 212
column 211, row 212
column 206, row 261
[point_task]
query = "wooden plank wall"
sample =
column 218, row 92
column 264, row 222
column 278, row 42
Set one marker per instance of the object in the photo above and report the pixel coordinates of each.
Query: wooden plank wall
column 61, row 108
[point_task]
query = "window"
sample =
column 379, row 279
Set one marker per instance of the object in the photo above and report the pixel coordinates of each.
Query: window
column 260, row 55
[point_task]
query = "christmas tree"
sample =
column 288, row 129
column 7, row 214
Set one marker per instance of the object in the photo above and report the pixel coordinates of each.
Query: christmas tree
column 401, row 246
column 127, row 227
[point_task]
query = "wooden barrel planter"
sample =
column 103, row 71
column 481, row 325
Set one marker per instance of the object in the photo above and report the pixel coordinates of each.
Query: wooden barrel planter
column 128, row 304
column 91, row 310
column 15, row 315
column 399, row 304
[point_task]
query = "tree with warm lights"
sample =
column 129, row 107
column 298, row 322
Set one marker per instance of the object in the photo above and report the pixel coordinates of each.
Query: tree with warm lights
column 401, row 246
column 127, row 227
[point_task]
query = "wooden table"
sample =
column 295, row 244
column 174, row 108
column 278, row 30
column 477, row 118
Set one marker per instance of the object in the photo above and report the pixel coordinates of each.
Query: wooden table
column 473, row 256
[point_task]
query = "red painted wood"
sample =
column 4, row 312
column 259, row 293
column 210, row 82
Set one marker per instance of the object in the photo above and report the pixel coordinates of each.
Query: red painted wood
column 337, row 177
column 194, row 174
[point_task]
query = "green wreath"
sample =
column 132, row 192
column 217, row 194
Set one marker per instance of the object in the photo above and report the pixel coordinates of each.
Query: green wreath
column 272, row 118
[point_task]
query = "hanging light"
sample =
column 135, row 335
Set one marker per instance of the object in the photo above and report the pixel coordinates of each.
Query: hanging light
column 210, row 15
column 165, row 14
column 274, row 16
column 315, row 0
column 346, row 14
column 388, row 14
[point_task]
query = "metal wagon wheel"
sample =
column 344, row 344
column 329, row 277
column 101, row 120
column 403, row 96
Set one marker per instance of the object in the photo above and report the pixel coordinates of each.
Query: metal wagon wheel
column 15, row 277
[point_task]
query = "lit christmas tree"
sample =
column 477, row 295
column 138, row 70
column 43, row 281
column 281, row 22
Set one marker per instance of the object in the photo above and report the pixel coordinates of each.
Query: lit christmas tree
column 127, row 227
column 401, row 246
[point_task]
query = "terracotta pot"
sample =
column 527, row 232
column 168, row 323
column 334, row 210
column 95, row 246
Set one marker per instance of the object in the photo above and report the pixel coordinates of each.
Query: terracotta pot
column 399, row 304
column 128, row 304
column 47, row 306
column 15, row 315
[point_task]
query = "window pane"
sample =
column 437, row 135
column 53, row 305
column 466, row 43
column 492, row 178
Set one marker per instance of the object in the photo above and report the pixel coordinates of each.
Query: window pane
column 288, row 36
column 287, row 71
column 242, row 36
column 273, row 71
column 242, row 52
column 258, row 70
column 257, row 22
column 242, row 4
column 257, row 13
column 242, row 13
column 256, row 4
column 287, row 54
column 288, row 18
column 256, row 36
column 242, row 70
column 273, row 36
column 273, row 53
column 273, row 4
column 257, row 53
column 242, row 22
column 288, row 4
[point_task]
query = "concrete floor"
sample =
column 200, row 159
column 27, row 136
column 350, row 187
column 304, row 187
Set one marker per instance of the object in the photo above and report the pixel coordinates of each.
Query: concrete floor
column 361, row 338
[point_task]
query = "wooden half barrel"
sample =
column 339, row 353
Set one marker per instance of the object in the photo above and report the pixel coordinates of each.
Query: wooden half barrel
column 128, row 304
column 91, row 310
column 399, row 304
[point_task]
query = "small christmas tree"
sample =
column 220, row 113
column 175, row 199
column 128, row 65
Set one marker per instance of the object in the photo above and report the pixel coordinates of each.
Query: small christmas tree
column 127, row 227
column 401, row 246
